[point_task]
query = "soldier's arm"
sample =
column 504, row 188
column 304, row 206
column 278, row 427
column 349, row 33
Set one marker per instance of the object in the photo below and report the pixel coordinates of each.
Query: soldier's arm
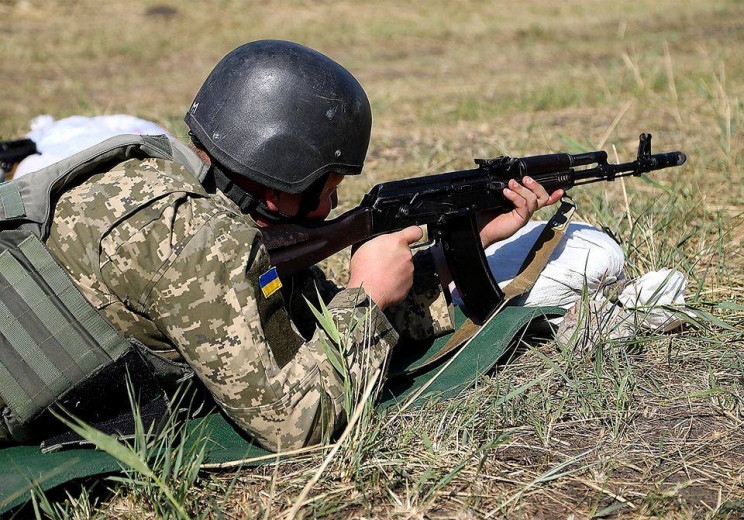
column 427, row 310
column 205, row 297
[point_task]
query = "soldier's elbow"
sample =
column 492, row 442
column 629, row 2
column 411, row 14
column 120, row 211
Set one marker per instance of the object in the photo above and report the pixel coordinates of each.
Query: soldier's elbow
column 279, row 427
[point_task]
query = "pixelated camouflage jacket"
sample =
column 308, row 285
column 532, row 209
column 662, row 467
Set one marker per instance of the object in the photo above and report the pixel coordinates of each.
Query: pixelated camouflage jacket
column 177, row 268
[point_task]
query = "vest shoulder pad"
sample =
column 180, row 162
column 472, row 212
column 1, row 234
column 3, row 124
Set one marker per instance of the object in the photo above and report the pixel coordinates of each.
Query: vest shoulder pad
column 25, row 203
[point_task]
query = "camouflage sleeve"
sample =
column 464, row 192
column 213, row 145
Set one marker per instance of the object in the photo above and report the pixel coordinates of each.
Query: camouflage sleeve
column 426, row 311
column 278, row 386
column 305, row 287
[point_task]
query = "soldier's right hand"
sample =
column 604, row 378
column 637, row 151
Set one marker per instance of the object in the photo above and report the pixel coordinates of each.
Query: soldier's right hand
column 383, row 266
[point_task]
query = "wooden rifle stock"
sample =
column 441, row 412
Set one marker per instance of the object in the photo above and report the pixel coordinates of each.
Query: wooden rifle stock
column 293, row 247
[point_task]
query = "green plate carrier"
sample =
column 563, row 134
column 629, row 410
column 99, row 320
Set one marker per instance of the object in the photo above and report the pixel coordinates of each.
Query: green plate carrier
column 55, row 347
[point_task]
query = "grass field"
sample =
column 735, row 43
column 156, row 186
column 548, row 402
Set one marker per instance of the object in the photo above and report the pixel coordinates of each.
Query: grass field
column 561, row 432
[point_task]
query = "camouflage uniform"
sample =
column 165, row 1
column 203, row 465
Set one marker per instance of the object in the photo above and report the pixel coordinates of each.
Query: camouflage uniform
column 177, row 268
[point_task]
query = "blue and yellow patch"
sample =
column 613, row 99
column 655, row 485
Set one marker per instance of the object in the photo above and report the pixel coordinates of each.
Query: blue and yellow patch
column 269, row 282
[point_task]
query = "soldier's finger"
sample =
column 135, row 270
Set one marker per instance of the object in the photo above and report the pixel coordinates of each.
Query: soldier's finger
column 520, row 205
column 537, row 188
column 555, row 197
column 411, row 234
column 529, row 197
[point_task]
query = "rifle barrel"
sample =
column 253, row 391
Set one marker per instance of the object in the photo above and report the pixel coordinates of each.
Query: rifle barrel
column 644, row 164
column 665, row 160
column 541, row 164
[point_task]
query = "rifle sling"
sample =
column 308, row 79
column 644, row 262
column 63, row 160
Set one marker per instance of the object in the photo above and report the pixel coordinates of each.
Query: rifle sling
column 531, row 268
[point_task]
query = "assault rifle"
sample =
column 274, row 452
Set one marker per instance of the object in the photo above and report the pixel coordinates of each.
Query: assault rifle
column 12, row 152
column 448, row 203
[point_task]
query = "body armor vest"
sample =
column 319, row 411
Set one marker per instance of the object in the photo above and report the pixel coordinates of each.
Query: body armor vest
column 56, row 349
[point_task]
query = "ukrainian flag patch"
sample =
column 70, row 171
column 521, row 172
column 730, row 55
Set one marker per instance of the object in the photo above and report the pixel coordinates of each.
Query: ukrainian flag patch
column 269, row 282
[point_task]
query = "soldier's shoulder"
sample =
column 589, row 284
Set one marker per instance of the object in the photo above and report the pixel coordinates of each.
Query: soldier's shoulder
column 133, row 193
column 153, row 174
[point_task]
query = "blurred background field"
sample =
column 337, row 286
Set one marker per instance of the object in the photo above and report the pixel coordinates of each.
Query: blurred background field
column 646, row 432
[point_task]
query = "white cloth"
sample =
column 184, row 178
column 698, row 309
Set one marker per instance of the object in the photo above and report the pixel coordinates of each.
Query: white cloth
column 587, row 260
column 585, row 257
column 654, row 302
column 653, row 295
column 57, row 140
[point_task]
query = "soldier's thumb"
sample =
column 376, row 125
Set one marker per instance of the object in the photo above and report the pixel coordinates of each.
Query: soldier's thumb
column 412, row 234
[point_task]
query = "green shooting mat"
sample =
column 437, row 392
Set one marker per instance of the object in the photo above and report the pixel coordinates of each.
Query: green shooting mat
column 23, row 468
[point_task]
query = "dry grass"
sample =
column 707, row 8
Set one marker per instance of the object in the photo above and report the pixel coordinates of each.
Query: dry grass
column 558, row 432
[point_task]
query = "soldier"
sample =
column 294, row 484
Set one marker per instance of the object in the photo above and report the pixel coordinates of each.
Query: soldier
column 167, row 245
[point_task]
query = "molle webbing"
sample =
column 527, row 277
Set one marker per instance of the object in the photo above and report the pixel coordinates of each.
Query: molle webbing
column 12, row 204
column 56, row 350
column 51, row 338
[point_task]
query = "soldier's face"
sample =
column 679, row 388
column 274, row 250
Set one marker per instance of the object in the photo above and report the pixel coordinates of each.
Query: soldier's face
column 328, row 197
column 289, row 204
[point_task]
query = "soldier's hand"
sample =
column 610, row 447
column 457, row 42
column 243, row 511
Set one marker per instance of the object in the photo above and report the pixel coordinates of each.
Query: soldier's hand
column 527, row 199
column 383, row 266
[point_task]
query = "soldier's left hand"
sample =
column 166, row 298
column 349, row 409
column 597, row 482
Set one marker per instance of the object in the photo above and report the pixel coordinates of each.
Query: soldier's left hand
column 527, row 199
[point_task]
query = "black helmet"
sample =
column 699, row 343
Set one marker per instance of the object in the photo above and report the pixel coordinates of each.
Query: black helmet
column 282, row 115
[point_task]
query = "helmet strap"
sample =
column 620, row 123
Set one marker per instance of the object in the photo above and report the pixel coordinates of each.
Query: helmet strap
column 311, row 196
column 247, row 202
column 250, row 204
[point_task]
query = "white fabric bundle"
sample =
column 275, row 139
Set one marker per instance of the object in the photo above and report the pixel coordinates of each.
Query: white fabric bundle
column 651, row 293
column 585, row 256
column 57, row 140
column 588, row 260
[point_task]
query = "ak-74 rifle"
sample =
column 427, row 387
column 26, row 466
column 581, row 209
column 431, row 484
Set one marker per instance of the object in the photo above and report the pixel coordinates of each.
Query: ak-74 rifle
column 447, row 204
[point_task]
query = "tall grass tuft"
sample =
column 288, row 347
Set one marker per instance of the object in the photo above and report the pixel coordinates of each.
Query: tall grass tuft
column 160, row 464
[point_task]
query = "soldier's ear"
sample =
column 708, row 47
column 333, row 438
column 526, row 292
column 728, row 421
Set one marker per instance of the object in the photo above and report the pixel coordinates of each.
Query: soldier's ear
column 272, row 198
